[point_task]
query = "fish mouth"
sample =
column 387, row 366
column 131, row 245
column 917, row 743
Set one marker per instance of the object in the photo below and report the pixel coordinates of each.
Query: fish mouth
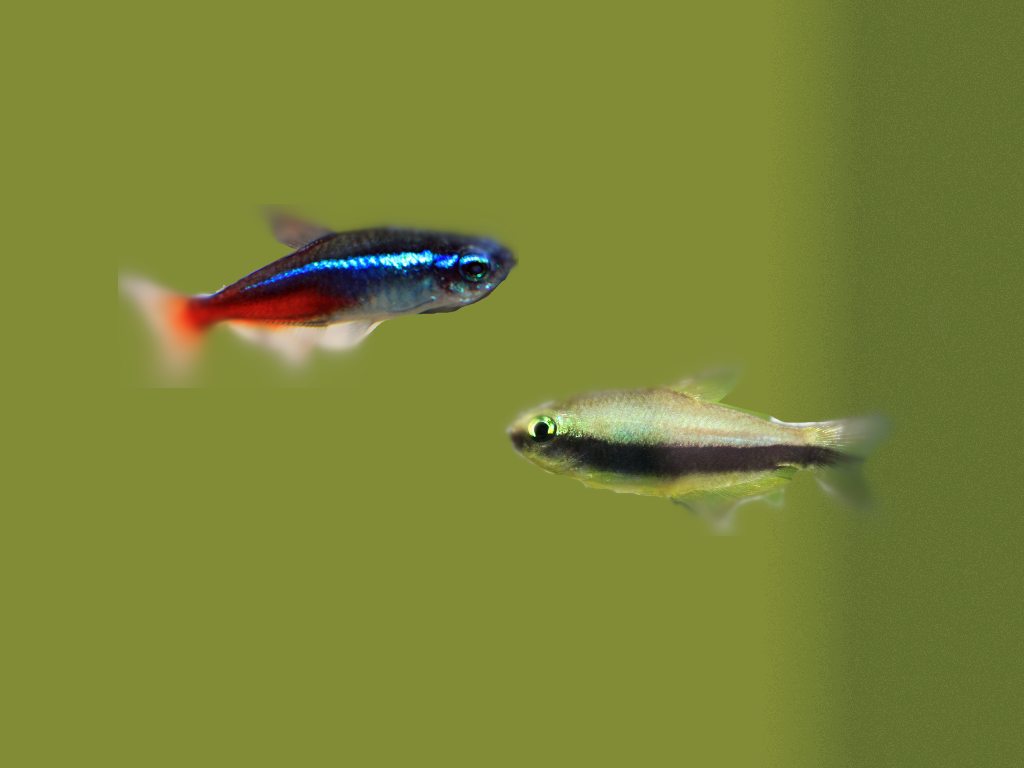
column 504, row 262
column 518, row 438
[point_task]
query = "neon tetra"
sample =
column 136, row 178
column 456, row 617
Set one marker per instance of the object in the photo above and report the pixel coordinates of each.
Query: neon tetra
column 333, row 291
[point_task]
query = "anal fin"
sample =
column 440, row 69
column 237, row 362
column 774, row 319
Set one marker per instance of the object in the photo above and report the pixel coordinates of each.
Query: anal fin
column 718, row 505
column 722, row 517
column 296, row 342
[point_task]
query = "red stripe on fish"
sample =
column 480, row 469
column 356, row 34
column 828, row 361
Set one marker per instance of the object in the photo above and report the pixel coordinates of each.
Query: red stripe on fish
column 295, row 307
column 306, row 299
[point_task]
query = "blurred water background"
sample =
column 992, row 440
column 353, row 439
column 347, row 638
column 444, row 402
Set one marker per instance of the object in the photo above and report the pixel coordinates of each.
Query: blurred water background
column 349, row 565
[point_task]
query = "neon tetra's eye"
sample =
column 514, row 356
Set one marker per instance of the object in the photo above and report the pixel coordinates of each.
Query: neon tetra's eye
column 542, row 429
column 475, row 268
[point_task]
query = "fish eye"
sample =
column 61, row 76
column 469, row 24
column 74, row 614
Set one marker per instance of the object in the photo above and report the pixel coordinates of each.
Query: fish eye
column 542, row 429
column 475, row 268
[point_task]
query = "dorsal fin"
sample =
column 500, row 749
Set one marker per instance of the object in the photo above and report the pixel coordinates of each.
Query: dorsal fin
column 708, row 387
column 293, row 231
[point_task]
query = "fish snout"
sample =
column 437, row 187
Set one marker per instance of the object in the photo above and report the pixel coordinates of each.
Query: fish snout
column 505, row 260
column 510, row 260
column 518, row 437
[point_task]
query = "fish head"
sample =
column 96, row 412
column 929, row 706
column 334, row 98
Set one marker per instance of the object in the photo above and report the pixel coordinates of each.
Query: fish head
column 475, row 268
column 544, row 437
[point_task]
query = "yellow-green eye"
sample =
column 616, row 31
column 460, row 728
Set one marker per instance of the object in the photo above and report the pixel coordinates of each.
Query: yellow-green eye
column 542, row 429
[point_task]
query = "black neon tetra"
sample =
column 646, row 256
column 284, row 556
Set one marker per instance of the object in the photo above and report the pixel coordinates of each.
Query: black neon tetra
column 681, row 443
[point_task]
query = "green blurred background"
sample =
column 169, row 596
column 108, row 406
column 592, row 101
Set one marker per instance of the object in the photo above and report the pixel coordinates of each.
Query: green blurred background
column 349, row 565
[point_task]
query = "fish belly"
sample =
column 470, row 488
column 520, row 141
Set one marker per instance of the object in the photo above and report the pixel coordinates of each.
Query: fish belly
column 676, row 487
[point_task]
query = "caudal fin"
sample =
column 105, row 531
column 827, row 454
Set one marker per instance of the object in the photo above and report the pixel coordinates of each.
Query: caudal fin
column 168, row 315
column 853, row 439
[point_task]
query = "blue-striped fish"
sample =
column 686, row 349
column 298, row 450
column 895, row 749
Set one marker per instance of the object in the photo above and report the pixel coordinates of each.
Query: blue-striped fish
column 682, row 443
column 333, row 291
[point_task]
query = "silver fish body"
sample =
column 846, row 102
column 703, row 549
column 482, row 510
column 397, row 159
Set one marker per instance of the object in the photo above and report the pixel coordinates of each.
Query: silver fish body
column 681, row 443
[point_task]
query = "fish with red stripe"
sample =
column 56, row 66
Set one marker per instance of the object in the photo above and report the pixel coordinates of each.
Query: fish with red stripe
column 332, row 292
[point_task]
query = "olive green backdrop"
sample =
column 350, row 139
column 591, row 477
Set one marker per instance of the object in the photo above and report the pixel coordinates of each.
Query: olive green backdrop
column 349, row 565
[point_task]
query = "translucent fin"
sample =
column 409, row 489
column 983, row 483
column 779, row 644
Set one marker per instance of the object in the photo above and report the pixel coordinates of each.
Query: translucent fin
column 763, row 416
column 721, row 518
column 854, row 439
column 346, row 335
column 846, row 482
column 709, row 387
column 167, row 313
column 293, row 231
column 719, row 505
column 296, row 343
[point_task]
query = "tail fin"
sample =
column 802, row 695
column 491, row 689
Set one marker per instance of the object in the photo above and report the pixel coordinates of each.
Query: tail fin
column 853, row 439
column 168, row 315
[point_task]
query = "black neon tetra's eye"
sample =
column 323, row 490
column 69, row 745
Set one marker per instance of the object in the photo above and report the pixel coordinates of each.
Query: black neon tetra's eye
column 542, row 429
column 475, row 269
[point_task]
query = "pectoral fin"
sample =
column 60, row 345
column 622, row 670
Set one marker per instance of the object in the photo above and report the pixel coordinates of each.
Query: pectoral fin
column 708, row 387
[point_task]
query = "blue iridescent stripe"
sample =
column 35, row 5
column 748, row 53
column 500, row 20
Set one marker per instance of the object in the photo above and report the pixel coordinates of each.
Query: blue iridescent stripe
column 393, row 261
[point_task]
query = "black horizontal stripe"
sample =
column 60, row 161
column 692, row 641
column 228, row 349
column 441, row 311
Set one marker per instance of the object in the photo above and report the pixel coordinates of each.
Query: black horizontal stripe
column 679, row 460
